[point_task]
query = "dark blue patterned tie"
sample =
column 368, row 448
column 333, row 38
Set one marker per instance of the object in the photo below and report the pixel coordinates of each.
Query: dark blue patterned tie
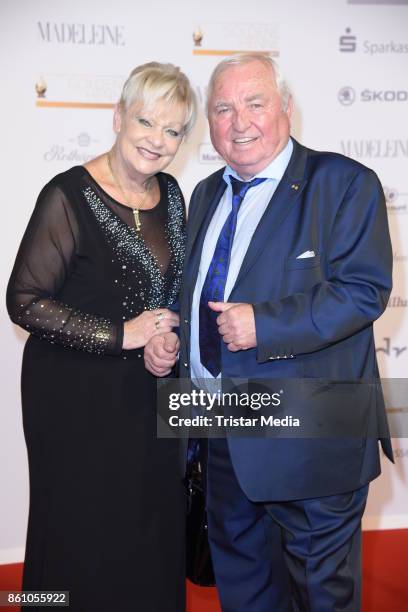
column 214, row 284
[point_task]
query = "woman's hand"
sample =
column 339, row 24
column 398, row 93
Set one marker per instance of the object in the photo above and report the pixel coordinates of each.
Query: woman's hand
column 138, row 331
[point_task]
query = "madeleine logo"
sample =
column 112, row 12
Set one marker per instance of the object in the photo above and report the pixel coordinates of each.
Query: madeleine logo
column 81, row 33
column 374, row 148
column 41, row 87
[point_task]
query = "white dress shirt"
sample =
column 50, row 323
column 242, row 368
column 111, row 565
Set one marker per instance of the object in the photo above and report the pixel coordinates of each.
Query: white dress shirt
column 250, row 212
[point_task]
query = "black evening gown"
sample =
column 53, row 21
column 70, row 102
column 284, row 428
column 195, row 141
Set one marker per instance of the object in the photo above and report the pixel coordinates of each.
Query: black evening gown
column 107, row 502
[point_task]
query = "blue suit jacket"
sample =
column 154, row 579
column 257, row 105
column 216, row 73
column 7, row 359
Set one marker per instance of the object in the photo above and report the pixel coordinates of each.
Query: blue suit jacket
column 313, row 315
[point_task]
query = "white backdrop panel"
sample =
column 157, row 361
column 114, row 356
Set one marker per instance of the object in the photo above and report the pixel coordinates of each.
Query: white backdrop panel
column 347, row 65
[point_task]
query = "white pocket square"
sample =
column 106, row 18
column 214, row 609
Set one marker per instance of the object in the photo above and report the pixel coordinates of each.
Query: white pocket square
column 306, row 254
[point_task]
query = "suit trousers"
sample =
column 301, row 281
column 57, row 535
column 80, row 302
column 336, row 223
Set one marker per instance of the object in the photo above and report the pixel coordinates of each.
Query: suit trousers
column 288, row 556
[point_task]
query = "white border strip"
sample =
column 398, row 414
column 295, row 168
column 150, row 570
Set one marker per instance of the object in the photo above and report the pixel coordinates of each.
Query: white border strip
column 382, row 522
column 11, row 555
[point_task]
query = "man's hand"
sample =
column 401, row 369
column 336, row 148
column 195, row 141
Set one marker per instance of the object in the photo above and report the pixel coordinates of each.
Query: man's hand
column 160, row 353
column 236, row 325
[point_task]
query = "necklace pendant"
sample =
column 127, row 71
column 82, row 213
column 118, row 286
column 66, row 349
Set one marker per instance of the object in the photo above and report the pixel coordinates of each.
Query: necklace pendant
column 138, row 223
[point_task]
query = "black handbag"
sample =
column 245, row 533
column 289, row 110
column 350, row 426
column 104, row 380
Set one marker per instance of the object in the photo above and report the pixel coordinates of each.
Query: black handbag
column 199, row 567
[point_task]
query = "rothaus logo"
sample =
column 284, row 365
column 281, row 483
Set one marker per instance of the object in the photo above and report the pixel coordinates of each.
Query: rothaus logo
column 347, row 95
column 76, row 151
column 372, row 149
column 81, row 33
column 348, row 44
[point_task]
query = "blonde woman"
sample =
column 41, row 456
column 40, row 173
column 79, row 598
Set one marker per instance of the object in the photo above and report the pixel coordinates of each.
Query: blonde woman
column 97, row 270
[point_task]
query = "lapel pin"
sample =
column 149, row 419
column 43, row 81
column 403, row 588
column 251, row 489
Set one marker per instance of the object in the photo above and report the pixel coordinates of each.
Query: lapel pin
column 295, row 186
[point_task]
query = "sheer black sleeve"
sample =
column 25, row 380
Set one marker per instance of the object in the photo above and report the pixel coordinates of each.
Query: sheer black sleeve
column 44, row 261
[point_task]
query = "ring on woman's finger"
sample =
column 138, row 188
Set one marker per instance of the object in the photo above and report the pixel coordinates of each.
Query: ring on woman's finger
column 157, row 324
column 160, row 316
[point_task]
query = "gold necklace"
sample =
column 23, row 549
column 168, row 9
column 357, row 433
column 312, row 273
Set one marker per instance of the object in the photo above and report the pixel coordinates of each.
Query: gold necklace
column 136, row 217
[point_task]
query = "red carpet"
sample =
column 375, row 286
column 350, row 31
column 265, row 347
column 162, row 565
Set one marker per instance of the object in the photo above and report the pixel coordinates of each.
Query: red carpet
column 385, row 582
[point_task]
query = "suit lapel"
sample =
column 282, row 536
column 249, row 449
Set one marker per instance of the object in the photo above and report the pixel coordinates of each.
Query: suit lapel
column 286, row 196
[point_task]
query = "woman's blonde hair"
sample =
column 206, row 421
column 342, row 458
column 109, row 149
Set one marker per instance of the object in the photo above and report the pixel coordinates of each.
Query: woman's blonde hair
column 155, row 81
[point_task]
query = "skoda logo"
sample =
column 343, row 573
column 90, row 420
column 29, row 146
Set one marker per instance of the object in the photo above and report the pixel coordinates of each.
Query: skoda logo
column 346, row 96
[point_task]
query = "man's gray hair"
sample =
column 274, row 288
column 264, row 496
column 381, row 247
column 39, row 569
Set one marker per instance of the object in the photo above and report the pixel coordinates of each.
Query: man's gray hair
column 241, row 59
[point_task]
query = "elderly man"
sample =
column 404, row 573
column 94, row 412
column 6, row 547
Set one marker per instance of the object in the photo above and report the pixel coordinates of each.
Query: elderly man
column 288, row 265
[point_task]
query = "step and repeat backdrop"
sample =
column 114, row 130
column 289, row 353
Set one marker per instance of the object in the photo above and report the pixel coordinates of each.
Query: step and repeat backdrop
column 62, row 68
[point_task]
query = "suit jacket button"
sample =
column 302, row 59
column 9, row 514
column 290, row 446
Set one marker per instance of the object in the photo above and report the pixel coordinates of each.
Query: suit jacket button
column 186, row 321
column 185, row 364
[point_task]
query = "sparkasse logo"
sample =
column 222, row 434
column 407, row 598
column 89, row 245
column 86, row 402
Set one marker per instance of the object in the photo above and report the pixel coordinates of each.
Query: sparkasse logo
column 348, row 42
